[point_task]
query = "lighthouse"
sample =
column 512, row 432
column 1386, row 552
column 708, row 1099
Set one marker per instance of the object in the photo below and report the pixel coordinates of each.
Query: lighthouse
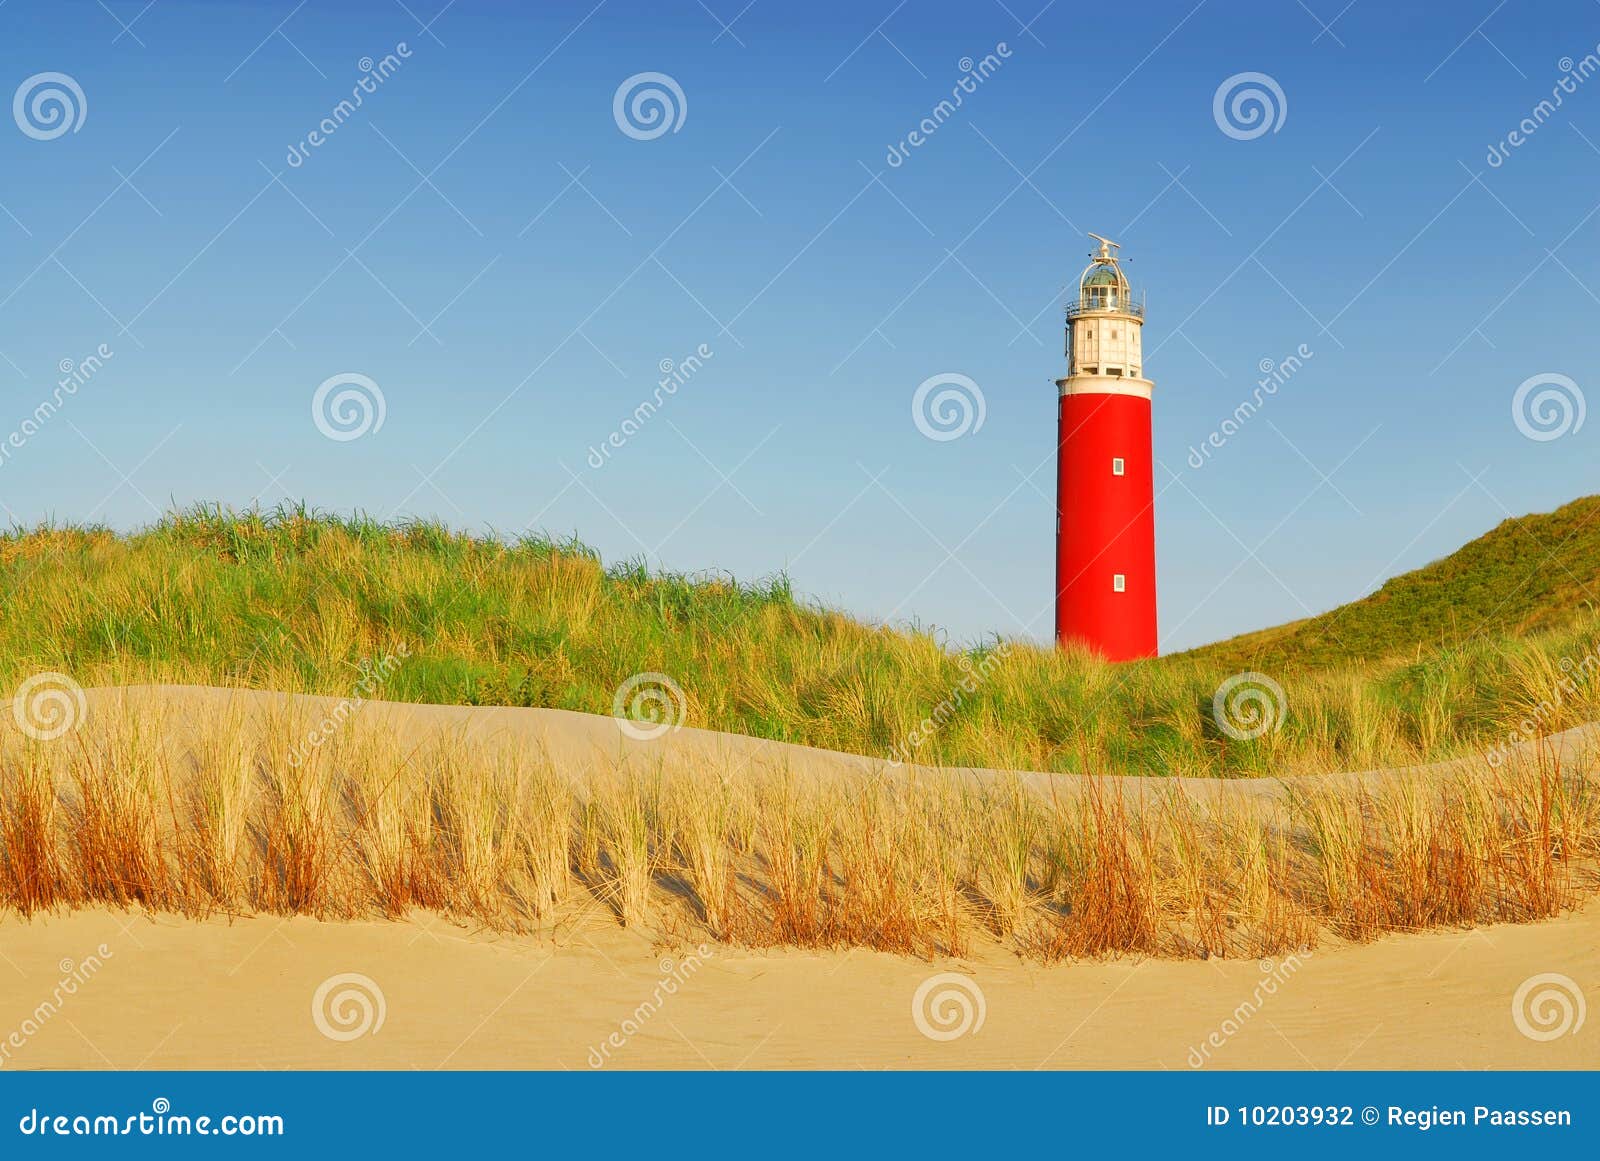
column 1105, row 496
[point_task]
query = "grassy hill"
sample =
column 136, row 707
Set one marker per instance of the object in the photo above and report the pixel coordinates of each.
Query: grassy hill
column 299, row 601
column 1528, row 575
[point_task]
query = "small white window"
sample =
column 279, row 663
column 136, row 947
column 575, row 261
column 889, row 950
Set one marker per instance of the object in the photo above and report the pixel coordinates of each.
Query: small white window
column 1119, row 583
column 1118, row 468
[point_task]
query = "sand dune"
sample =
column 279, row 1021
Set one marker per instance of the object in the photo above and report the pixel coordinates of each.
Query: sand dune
column 579, row 742
column 105, row 989
column 179, row 994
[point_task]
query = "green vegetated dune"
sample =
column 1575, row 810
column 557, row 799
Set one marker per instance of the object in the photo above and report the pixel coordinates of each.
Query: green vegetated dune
column 1529, row 575
column 1452, row 658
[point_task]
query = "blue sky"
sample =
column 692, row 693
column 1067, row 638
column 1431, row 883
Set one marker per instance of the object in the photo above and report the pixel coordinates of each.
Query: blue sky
column 484, row 242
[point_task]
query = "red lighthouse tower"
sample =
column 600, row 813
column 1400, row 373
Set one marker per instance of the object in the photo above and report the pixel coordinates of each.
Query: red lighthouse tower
column 1105, row 514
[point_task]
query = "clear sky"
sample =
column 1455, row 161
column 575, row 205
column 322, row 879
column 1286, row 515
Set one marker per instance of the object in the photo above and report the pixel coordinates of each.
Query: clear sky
column 509, row 264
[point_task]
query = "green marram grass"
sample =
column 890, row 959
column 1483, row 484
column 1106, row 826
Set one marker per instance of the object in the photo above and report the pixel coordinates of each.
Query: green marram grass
column 1528, row 575
column 302, row 601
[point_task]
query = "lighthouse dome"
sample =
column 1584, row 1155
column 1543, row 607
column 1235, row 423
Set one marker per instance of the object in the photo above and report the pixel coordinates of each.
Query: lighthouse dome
column 1103, row 288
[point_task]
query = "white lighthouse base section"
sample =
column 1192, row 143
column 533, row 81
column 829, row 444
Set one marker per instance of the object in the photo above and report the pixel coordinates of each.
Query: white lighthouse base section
column 1106, row 385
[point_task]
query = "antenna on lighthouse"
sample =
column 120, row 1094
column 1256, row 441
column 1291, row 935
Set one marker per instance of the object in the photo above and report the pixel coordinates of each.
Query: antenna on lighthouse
column 1106, row 246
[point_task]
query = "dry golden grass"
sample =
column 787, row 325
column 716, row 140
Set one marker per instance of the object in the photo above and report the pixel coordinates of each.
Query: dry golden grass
column 129, row 811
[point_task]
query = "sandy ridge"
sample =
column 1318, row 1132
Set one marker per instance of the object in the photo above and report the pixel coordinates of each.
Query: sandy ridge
column 581, row 742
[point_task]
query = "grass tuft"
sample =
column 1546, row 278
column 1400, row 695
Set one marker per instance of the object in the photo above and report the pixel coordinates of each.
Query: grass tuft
column 149, row 813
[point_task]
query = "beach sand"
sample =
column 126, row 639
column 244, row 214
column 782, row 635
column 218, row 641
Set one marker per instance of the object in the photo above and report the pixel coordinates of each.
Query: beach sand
column 104, row 989
column 174, row 993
